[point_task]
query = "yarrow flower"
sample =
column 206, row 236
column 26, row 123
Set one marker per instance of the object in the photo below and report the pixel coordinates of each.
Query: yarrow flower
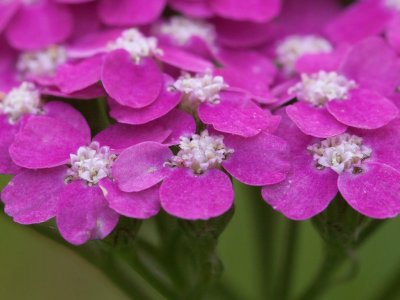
column 193, row 185
column 360, row 164
column 330, row 101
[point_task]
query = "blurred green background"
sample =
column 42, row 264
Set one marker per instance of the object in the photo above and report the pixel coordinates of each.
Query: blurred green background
column 33, row 267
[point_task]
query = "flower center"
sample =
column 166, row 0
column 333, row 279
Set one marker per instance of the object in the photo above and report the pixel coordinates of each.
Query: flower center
column 319, row 88
column 91, row 163
column 21, row 100
column 341, row 153
column 200, row 153
column 138, row 46
column 393, row 4
column 295, row 46
column 200, row 88
column 42, row 62
column 181, row 29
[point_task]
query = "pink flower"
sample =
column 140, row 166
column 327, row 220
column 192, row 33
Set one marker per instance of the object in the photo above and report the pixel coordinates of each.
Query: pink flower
column 69, row 177
column 360, row 164
column 193, row 185
column 355, row 93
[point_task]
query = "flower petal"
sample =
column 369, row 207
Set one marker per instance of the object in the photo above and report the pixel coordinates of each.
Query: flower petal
column 131, row 84
column 189, row 196
column 259, row 160
column 39, row 24
column 141, row 166
column 138, row 205
column 235, row 114
column 7, row 134
column 45, row 142
column 83, row 213
column 306, row 191
column 363, row 109
column 314, row 121
column 375, row 192
column 32, row 196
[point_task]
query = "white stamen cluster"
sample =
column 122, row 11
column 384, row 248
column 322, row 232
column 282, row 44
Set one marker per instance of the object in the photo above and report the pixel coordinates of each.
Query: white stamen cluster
column 344, row 152
column 200, row 88
column 181, row 29
column 295, row 46
column 42, row 62
column 91, row 163
column 393, row 4
column 21, row 100
column 319, row 88
column 200, row 152
column 138, row 46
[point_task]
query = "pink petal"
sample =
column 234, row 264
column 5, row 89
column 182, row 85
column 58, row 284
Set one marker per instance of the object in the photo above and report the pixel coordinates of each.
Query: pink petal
column 373, row 65
column 141, row 166
column 314, row 121
column 89, row 93
column 363, row 109
column 393, row 34
column 32, row 196
column 260, row 160
column 122, row 136
column 164, row 103
column 39, row 24
column 184, row 60
column 83, row 214
column 75, row 77
column 64, row 112
column 306, row 191
column 189, row 196
column 179, row 122
column 7, row 11
column 7, row 134
column 192, row 8
column 361, row 20
column 243, row 34
column 374, row 192
column 131, row 84
column 45, row 142
column 235, row 114
column 130, row 12
column 138, row 205
column 250, row 10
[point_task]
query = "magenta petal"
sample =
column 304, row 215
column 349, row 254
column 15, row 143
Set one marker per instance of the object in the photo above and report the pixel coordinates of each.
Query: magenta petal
column 260, row 160
column 314, row 121
column 45, row 142
column 235, row 114
column 249, row 10
column 75, row 77
column 164, row 103
column 130, row 12
column 184, row 60
column 138, row 205
column 373, row 65
column 40, row 24
column 64, row 112
column 89, row 93
column 7, row 11
column 141, row 166
column 179, row 122
column 7, row 134
column 83, row 213
column 306, row 191
column 375, row 192
column 393, row 33
column 189, row 196
column 192, row 8
column 131, row 84
column 364, row 109
column 361, row 20
column 122, row 136
column 32, row 196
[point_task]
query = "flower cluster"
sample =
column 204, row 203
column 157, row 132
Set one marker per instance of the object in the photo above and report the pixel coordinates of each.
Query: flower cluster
column 300, row 98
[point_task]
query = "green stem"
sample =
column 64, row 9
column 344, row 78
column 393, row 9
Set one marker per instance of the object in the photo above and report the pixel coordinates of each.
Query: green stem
column 264, row 227
column 391, row 289
column 287, row 269
column 110, row 265
column 333, row 260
